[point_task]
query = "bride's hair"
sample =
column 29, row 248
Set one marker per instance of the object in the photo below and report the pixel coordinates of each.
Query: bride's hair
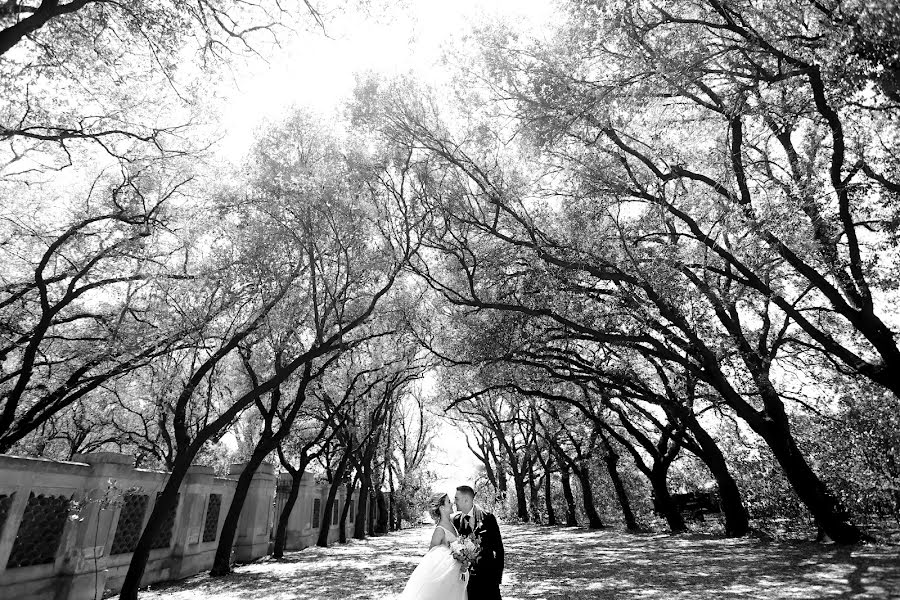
column 434, row 505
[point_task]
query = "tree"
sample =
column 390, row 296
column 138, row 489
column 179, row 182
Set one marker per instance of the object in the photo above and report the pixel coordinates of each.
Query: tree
column 645, row 307
column 336, row 238
column 366, row 427
column 328, row 262
column 547, row 466
column 485, row 450
column 192, row 423
column 500, row 417
column 82, row 428
column 96, row 277
column 367, row 387
column 415, row 431
column 752, row 74
column 305, row 441
column 118, row 64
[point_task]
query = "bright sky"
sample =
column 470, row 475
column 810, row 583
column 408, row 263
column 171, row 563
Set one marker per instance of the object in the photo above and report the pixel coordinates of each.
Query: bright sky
column 317, row 70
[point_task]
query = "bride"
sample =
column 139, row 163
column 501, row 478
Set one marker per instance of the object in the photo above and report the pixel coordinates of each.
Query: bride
column 438, row 576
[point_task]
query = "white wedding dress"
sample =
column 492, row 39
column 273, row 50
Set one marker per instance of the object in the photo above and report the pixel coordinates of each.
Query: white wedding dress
column 438, row 576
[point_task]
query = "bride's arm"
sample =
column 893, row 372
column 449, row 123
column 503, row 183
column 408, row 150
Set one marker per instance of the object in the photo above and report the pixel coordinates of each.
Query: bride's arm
column 437, row 538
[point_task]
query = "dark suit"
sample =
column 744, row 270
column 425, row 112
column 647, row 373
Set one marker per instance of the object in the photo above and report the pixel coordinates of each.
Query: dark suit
column 487, row 572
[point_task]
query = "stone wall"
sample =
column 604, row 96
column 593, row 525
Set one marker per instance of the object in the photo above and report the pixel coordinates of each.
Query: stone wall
column 67, row 529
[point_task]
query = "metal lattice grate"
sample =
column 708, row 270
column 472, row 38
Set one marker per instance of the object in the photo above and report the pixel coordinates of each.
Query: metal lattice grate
column 211, row 526
column 317, row 512
column 164, row 535
column 40, row 531
column 5, row 505
column 129, row 527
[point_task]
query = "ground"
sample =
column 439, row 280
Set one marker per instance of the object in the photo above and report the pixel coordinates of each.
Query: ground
column 556, row 563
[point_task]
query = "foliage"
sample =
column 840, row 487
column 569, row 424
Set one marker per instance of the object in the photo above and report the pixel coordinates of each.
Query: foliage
column 856, row 448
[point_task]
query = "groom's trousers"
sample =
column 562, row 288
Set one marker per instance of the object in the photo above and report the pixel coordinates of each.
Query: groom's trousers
column 483, row 588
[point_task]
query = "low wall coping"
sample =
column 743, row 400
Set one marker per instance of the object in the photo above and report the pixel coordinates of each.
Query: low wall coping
column 201, row 470
column 263, row 469
column 106, row 458
column 306, row 478
column 14, row 459
column 43, row 465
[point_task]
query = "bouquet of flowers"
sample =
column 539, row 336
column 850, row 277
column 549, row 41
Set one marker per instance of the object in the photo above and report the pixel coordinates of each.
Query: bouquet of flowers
column 466, row 550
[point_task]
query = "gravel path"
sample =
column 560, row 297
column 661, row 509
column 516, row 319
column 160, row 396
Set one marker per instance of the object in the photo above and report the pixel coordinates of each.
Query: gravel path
column 557, row 564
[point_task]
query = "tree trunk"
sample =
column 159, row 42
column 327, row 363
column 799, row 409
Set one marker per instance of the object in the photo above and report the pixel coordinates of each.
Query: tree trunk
column 737, row 521
column 362, row 510
column 342, row 533
column 774, row 427
column 571, row 509
column 370, row 520
column 825, row 508
column 393, row 513
column 489, row 472
column 533, row 493
column 398, row 516
column 329, row 500
column 663, row 500
column 612, row 459
column 587, row 494
column 222, row 561
column 521, row 503
column 500, row 472
column 381, row 512
column 167, row 500
column 548, row 496
column 284, row 518
column 328, row 513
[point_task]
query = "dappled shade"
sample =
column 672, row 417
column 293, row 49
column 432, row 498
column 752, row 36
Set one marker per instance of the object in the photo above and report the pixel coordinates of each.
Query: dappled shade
column 557, row 564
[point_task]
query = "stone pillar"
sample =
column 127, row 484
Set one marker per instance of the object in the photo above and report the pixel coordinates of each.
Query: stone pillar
column 348, row 530
column 303, row 512
column 339, row 501
column 285, row 482
column 189, row 554
column 252, row 538
column 83, row 572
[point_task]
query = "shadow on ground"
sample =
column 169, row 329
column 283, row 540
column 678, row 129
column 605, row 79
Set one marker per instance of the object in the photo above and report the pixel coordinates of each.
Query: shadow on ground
column 557, row 564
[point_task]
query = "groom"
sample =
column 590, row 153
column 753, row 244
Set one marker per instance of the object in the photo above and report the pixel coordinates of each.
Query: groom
column 486, row 573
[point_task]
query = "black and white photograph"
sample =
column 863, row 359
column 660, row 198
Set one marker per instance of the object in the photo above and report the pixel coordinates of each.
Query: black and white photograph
column 464, row 300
